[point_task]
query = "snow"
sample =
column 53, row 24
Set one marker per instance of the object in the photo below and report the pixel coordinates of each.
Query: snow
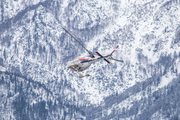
column 166, row 79
column 3, row 69
column 39, row 49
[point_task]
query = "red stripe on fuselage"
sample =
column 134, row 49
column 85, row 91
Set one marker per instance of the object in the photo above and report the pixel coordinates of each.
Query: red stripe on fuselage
column 83, row 59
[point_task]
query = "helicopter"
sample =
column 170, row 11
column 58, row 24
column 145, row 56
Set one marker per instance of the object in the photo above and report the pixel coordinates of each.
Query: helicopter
column 80, row 63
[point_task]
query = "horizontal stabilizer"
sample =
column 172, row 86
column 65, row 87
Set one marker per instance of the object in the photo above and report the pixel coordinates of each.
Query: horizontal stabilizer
column 117, row 60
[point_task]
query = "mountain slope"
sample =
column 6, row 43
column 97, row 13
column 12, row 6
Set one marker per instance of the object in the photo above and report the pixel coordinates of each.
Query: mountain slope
column 34, row 51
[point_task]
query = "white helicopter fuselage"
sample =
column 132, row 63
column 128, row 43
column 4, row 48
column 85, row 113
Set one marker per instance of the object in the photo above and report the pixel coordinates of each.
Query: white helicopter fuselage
column 80, row 64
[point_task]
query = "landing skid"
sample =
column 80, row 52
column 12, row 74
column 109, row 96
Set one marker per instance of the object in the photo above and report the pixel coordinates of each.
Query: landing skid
column 72, row 66
column 81, row 76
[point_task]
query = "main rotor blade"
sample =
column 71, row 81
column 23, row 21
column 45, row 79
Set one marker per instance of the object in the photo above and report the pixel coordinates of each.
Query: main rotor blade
column 103, row 57
column 79, row 43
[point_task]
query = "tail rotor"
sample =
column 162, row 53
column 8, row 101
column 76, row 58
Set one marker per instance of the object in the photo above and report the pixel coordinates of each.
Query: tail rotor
column 114, row 50
column 114, row 58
